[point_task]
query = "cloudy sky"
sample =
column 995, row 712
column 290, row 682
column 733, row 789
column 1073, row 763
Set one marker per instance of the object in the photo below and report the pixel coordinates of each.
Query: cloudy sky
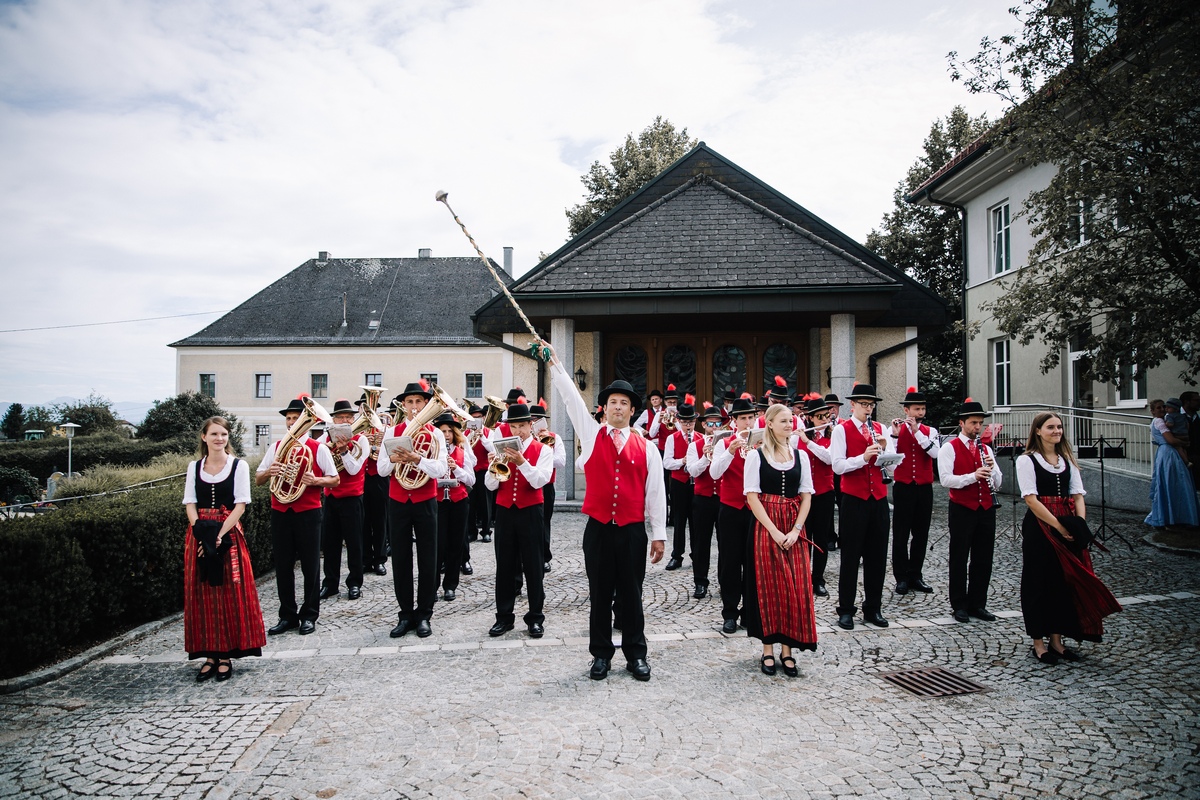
column 167, row 158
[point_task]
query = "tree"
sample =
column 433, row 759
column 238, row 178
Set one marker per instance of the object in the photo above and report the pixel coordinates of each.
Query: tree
column 1109, row 94
column 926, row 242
column 93, row 414
column 631, row 166
column 183, row 414
column 13, row 424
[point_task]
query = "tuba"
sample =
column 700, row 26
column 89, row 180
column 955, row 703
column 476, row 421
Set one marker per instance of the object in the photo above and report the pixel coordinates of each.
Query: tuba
column 295, row 458
column 425, row 445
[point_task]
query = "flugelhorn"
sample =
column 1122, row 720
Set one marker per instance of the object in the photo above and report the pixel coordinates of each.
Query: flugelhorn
column 293, row 456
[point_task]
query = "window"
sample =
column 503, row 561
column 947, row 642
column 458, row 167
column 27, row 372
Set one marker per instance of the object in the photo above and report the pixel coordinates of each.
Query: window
column 1132, row 390
column 430, row 376
column 373, row 379
column 1001, row 239
column 208, row 384
column 1001, row 372
column 262, row 385
column 262, row 435
column 474, row 384
column 319, row 385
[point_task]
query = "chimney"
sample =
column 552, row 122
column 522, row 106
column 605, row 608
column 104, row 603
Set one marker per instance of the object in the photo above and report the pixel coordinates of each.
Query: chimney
column 508, row 261
column 425, row 252
column 323, row 255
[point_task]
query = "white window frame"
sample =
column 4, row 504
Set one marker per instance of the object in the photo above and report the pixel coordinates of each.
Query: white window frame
column 263, row 386
column 312, row 387
column 213, row 377
column 1000, row 227
column 1001, row 358
column 467, row 385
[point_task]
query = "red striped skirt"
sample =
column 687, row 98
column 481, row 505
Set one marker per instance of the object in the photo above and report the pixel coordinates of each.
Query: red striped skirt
column 783, row 580
column 221, row 621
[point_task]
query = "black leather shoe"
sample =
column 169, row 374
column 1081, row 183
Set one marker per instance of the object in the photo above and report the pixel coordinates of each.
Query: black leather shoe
column 875, row 619
column 701, row 591
column 328, row 592
column 500, row 628
column 404, row 627
column 729, row 626
column 354, row 592
column 674, row 563
column 820, row 591
column 423, row 629
column 846, row 622
column 307, row 627
column 983, row 614
column 901, row 587
column 467, row 569
column 639, row 669
column 536, row 631
column 487, row 537
column 546, row 567
column 381, row 569
column 448, row 594
column 920, row 586
column 961, row 616
column 599, row 669
column 283, row 626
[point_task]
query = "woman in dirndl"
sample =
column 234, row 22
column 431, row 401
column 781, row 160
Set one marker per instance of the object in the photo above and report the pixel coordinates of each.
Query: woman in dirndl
column 1060, row 593
column 222, row 618
column 778, row 606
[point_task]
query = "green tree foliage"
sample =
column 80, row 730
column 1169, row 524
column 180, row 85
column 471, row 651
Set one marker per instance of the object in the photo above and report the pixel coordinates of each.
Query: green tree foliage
column 926, row 242
column 182, row 415
column 1111, row 98
column 13, row 424
column 631, row 166
column 93, row 414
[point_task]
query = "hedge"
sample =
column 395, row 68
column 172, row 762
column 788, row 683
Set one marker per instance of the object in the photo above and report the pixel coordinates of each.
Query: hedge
column 99, row 566
column 44, row 457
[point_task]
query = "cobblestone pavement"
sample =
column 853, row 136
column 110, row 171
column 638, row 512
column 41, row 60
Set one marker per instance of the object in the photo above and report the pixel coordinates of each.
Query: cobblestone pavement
column 349, row 712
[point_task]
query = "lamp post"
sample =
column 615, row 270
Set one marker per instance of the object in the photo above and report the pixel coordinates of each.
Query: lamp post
column 69, row 427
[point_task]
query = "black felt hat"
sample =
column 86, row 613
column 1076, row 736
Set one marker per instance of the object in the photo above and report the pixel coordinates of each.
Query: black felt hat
column 621, row 387
column 971, row 408
column 514, row 395
column 519, row 412
column 912, row 397
column 863, row 391
column 296, row 405
column 342, row 406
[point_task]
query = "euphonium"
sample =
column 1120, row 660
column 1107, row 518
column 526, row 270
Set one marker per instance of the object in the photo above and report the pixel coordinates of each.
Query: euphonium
column 296, row 459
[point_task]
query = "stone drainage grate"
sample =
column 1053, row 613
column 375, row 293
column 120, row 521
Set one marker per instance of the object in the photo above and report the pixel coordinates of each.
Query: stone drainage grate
column 933, row 682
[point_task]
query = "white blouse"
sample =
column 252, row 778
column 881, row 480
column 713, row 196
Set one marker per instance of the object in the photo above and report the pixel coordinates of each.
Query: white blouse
column 241, row 480
column 750, row 479
column 1027, row 477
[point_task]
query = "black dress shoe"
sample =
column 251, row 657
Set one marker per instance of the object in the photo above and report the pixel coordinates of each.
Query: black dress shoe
column 546, row 567
column 846, row 622
column 639, row 669
column 820, row 591
column 536, row 631
column 328, row 592
column 901, row 587
column 283, row 626
column 701, row 591
column 920, row 585
column 354, row 593
column 983, row 614
column 599, row 669
column 729, row 626
column 500, row 628
column 448, row 594
column 467, row 569
column 381, row 569
column 423, row 628
column 875, row 619
column 404, row 627
column 307, row 627
column 962, row 616
column 674, row 563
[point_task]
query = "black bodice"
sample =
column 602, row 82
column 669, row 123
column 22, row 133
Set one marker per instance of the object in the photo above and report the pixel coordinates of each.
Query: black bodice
column 785, row 483
column 215, row 495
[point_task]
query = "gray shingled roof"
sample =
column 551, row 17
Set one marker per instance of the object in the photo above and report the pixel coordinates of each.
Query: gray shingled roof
column 417, row 301
column 703, row 227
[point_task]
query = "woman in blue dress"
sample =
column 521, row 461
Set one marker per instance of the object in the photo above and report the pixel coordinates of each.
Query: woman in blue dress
column 1172, row 493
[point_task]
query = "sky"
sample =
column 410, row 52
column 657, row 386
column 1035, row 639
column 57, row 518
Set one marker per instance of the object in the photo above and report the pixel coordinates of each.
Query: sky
column 161, row 159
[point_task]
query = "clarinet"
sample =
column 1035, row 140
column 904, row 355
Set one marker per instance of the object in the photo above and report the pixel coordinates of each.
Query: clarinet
column 979, row 449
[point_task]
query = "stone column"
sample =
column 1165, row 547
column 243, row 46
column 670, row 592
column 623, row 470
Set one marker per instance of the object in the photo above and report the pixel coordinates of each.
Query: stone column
column 841, row 354
column 562, row 336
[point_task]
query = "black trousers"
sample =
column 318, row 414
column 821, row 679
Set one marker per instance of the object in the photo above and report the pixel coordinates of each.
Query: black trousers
column 548, row 495
column 704, row 522
column 482, row 503
column 972, row 546
column 343, row 522
column 864, row 537
column 517, row 537
column 614, row 557
column 912, row 509
column 375, row 500
column 297, row 535
column 734, row 527
column 681, row 502
column 819, row 527
column 452, row 539
column 406, row 520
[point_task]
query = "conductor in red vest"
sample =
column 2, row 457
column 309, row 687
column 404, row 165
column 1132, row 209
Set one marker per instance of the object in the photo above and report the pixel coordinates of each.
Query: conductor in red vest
column 967, row 469
column 625, row 503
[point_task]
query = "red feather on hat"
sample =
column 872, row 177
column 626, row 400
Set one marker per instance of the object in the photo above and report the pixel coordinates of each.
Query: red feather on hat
column 424, row 385
column 911, row 390
column 780, row 382
column 689, row 400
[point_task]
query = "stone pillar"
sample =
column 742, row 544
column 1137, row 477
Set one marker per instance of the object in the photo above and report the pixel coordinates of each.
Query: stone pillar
column 562, row 336
column 841, row 354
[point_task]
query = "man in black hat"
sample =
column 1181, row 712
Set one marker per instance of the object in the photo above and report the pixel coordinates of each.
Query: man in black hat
column 675, row 462
column 296, row 528
column 343, row 517
column 375, row 498
column 854, row 446
column 619, row 513
column 541, row 429
column 966, row 467
column 912, row 494
column 412, row 513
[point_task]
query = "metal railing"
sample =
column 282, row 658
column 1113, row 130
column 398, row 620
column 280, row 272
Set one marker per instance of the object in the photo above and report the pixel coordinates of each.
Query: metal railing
column 1127, row 446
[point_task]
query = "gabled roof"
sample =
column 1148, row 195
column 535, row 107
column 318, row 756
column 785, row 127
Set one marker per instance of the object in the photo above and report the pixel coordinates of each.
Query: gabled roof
column 415, row 301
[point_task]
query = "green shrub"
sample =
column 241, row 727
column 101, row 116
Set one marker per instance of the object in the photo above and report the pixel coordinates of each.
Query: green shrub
column 18, row 486
column 46, row 456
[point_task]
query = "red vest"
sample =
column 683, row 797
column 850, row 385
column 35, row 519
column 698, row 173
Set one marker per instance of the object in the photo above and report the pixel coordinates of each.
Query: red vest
column 680, row 446
column 311, row 498
column 459, row 492
column 352, row 485
column 516, row 491
column 866, row 482
column 917, row 466
column 705, row 486
column 732, row 487
column 822, row 473
column 427, row 491
column 978, row 495
column 603, row 471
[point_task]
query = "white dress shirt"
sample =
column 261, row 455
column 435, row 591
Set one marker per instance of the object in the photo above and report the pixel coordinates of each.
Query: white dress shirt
column 324, row 458
column 946, row 467
column 1027, row 477
column 536, row 475
column 241, row 480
